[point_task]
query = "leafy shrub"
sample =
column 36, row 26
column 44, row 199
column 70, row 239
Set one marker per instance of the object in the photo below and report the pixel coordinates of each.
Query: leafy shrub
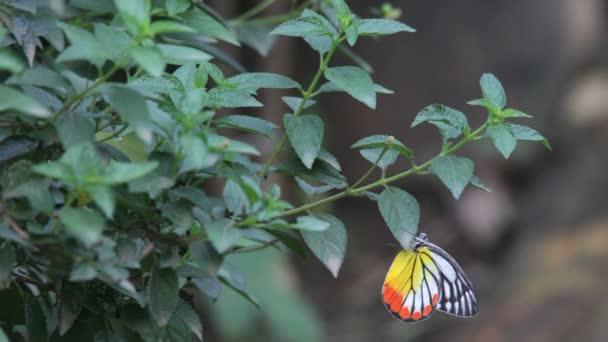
column 111, row 134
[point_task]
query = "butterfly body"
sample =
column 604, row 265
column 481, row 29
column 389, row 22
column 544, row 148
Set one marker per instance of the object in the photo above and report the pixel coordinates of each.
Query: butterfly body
column 426, row 278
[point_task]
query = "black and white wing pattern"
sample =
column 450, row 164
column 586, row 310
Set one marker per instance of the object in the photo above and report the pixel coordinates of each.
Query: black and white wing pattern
column 457, row 294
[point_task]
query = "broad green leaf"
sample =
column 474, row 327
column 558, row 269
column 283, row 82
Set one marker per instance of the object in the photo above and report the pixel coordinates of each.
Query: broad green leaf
column 189, row 317
column 312, row 190
column 169, row 26
column 166, row 84
column 454, row 172
column 256, row 80
column 329, row 158
column 235, row 198
column 135, row 14
column 104, row 198
column 476, row 182
column 450, row 122
column 120, row 172
column 174, row 7
column 115, row 42
column 373, row 145
column 179, row 214
column 179, row 55
column 222, row 144
column 294, row 102
column 84, row 46
column 12, row 99
column 37, row 193
column 380, row 27
column 493, row 91
column 401, row 212
column 150, row 58
column 223, row 235
column 84, row 224
column 3, row 337
column 306, row 135
column 163, row 294
column 75, row 128
column 72, row 300
column 8, row 260
column 305, row 26
column 248, row 124
column 132, row 107
column 206, row 24
column 235, row 279
column 514, row 113
column 231, row 98
column 320, row 43
column 42, row 77
column 328, row 245
column 194, row 151
column 256, row 35
column 503, row 138
column 355, row 81
column 321, row 172
column 10, row 62
column 312, row 223
column 193, row 101
column 210, row 286
column 526, row 133
column 343, row 13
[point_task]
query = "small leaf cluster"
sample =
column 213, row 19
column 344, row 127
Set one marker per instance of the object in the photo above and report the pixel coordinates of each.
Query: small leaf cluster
column 121, row 119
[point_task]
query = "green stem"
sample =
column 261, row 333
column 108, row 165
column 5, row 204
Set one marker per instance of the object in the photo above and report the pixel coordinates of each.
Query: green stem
column 114, row 135
column 253, row 11
column 305, row 97
column 353, row 191
column 371, row 169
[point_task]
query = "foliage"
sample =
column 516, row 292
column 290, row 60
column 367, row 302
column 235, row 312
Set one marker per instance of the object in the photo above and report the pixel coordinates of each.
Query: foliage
column 111, row 140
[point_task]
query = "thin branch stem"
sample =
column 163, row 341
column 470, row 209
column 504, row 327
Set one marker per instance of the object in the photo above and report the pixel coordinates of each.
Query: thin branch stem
column 305, row 97
column 253, row 11
column 353, row 191
column 371, row 169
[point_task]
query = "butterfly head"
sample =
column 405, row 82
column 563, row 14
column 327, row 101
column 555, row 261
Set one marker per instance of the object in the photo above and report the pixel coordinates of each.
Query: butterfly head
column 421, row 239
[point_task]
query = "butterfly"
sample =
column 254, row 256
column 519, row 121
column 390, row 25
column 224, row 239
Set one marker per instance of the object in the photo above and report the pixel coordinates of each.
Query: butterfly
column 424, row 278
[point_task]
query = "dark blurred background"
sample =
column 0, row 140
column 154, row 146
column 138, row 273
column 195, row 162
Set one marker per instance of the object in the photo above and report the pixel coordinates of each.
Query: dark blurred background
column 536, row 247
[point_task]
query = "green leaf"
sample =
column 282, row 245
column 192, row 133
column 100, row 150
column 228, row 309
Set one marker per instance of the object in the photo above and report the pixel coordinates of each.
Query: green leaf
column 222, row 144
column 150, row 58
column 493, row 91
column 306, row 135
column 235, row 198
column 84, row 46
column 256, row 80
column 194, row 151
column 476, row 182
column 235, row 279
column 174, row 7
column 135, row 14
column 132, row 107
column 206, row 24
column 373, row 145
column 169, row 26
column 305, row 26
column 526, row 133
column 114, row 41
column 312, row 190
column 514, row 113
column 355, row 81
column 37, row 193
column 163, row 294
column 450, row 122
column 312, row 223
column 12, row 99
column 120, row 172
column 231, row 98
column 10, row 62
column 223, row 235
column 401, row 212
column 8, row 260
column 84, row 224
column 454, row 172
column 380, row 27
column 256, row 35
column 248, row 124
column 320, row 43
column 189, row 317
column 166, row 84
column 3, row 337
column 503, row 138
column 294, row 102
column 75, row 128
column 179, row 55
column 329, row 158
column 41, row 76
column 72, row 298
column 104, row 198
column 343, row 13
column 15, row 146
column 328, row 245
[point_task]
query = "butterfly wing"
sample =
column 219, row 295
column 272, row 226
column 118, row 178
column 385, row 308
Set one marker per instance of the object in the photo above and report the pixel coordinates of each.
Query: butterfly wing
column 412, row 285
column 457, row 294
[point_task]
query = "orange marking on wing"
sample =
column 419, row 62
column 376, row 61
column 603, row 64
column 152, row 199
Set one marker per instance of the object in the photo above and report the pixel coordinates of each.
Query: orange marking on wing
column 388, row 293
column 417, row 315
column 405, row 313
column 435, row 299
column 396, row 302
column 427, row 310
